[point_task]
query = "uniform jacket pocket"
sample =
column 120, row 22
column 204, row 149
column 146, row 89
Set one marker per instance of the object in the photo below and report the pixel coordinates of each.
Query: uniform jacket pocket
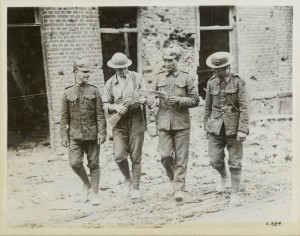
column 89, row 101
column 180, row 88
column 72, row 98
column 232, row 96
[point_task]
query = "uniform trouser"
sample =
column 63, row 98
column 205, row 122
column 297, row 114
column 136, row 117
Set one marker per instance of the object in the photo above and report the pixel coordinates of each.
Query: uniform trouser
column 128, row 139
column 216, row 146
column 173, row 146
column 77, row 149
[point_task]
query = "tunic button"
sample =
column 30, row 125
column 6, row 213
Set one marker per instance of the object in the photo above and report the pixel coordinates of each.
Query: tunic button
column 170, row 107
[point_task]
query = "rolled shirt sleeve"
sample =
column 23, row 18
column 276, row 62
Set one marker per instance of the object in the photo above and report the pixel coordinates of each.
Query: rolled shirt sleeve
column 107, row 98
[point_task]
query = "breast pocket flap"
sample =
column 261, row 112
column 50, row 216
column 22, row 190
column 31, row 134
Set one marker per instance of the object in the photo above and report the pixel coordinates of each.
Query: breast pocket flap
column 161, row 83
column 71, row 97
column 214, row 92
column 90, row 96
column 180, row 84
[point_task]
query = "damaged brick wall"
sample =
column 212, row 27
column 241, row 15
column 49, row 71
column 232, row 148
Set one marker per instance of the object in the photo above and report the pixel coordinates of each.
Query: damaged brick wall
column 163, row 27
column 68, row 33
column 265, row 55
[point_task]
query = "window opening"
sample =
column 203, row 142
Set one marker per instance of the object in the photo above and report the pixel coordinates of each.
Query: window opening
column 118, row 34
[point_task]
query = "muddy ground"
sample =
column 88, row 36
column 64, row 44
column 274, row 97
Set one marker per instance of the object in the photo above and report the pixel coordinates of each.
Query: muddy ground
column 43, row 191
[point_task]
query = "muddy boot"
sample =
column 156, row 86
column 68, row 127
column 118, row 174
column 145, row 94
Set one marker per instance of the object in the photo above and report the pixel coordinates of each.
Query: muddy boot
column 135, row 194
column 235, row 200
column 179, row 196
column 94, row 197
column 169, row 187
column 168, row 164
column 221, row 184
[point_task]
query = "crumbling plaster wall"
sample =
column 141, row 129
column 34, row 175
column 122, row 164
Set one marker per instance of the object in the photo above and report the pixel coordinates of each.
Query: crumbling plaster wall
column 265, row 57
column 68, row 33
column 163, row 27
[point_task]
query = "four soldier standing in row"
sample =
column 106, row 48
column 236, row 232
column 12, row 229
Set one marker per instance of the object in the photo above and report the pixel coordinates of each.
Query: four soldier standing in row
column 83, row 124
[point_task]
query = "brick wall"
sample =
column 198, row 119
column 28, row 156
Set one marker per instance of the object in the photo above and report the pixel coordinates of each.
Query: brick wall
column 265, row 49
column 162, row 27
column 265, row 57
column 68, row 33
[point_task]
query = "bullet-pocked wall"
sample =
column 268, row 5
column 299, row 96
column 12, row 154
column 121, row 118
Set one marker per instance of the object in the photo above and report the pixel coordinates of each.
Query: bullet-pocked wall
column 67, row 34
column 162, row 27
column 261, row 40
column 265, row 57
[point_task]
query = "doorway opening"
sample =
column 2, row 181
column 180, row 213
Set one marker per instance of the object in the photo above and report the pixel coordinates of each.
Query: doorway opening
column 26, row 89
column 214, row 29
column 118, row 34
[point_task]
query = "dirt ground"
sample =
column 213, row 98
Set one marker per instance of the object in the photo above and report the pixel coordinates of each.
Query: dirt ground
column 43, row 191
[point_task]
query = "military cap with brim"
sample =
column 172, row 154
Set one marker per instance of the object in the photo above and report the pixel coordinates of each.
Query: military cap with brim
column 119, row 60
column 171, row 53
column 81, row 64
column 219, row 59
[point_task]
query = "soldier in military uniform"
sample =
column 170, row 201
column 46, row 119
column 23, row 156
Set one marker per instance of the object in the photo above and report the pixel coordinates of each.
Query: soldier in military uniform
column 173, row 120
column 226, row 121
column 83, row 128
column 128, row 133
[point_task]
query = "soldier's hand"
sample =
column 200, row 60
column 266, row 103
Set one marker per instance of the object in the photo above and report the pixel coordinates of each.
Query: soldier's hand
column 241, row 136
column 120, row 109
column 206, row 135
column 101, row 141
column 174, row 100
column 135, row 104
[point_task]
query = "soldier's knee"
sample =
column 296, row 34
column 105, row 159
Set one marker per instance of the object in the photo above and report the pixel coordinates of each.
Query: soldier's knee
column 120, row 158
column 75, row 164
column 164, row 159
column 216, row 164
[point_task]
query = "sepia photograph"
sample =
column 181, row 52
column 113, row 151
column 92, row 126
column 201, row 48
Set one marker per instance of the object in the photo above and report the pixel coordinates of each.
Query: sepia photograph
column 149, row 118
